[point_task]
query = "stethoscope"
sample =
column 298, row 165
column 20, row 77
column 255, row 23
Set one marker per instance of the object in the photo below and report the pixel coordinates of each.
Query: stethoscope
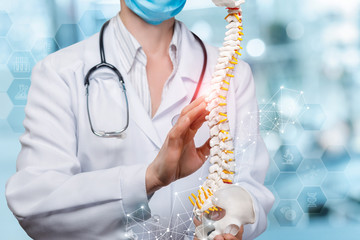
column 104, row 64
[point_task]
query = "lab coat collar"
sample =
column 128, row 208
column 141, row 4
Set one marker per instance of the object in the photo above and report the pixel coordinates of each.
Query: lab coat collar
column 132, row 50
column 129, row 46
column 190, row 56
column 191, row 60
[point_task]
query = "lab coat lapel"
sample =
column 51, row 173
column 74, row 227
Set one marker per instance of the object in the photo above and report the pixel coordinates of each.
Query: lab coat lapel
column 190, row 57
column 175, row 93
column 137, row 112
column 140, row 116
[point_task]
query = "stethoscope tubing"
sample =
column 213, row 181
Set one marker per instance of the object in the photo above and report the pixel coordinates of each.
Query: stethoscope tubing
column 104, row 64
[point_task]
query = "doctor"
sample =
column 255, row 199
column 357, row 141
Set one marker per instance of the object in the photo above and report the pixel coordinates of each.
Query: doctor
column 71, row 184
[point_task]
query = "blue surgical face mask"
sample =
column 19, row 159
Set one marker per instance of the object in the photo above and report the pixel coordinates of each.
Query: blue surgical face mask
column 155, row 11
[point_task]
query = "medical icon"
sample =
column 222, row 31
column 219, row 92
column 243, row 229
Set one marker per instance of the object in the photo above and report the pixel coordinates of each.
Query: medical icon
column 312, row 199
column 288, row 158
column 21, row 64
column 44, row 47
column 288, row 213
column 311, row 171
column 18, row 91
column 22, row 93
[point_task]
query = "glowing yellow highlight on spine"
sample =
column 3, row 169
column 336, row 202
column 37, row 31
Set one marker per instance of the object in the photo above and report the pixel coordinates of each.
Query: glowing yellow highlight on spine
column 224, row 88
column 192, row 202
column 202, row 188
column 227, row 172
column 223, row 120
column 202, row 202
column 197, row 204
column 224, row 81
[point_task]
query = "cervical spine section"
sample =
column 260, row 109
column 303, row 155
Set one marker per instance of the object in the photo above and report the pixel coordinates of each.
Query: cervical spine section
column 221, row 171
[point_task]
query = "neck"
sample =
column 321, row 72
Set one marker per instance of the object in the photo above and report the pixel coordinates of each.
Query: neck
column 154, row 39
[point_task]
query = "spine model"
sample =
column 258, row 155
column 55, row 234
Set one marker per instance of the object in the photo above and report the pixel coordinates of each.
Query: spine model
column 215, row 192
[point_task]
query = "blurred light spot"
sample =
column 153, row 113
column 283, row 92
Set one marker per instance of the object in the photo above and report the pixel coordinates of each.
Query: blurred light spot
column 295, row 30
column 203, row 30
column 288, row 106
column 337, row 134
column 255, row 47
column 272, row 141
column 349, row 34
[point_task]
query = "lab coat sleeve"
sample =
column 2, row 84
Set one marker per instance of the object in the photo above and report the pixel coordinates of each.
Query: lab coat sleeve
column 49, row 194
column 251, row 155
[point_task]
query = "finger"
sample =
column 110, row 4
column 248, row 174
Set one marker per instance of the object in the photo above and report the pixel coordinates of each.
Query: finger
column 218, row 237
column 196, row 221
column 240, row 233
column 229, row 237
column 186, row 120
column 204, row 150
column 192, row 105
column 199, row 121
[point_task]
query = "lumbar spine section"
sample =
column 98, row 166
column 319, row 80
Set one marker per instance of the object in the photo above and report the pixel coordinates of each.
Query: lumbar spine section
column 218, row 194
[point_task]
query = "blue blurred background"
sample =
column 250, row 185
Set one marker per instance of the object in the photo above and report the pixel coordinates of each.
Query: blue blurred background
column 305, row 56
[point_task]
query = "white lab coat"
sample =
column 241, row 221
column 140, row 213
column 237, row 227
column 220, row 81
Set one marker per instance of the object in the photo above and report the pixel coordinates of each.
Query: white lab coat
column 71, row 184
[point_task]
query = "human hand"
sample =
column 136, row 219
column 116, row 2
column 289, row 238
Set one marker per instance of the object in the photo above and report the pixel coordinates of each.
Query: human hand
column 217, row 216
column 178, row 156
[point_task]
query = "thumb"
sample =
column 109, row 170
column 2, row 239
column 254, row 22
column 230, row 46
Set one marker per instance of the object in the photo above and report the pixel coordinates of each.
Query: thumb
column 204, row 150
